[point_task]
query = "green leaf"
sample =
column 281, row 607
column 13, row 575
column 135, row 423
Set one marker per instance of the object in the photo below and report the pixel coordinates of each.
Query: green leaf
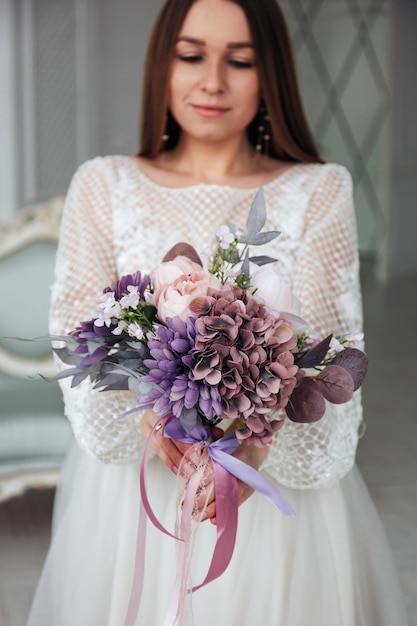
column 261, row 260
column 257, row 213
column 245, row 265
column 259, row 239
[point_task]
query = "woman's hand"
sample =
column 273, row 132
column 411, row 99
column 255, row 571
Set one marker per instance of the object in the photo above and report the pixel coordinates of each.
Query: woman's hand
column 254, row 457
column 170, row 451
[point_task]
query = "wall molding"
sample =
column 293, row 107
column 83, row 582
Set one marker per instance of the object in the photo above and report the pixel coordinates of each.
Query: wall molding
column 8, row 114
column 21, row 174
column 28, row 90
column 87, row 72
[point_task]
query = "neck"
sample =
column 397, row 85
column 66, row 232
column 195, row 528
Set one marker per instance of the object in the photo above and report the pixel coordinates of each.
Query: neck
column 213, row 161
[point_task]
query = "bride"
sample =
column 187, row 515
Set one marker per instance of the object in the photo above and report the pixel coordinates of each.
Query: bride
column 221, row 116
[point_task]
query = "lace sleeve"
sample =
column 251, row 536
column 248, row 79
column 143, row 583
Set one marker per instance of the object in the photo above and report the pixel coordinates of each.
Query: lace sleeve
column 326, row 279
column 85, row 264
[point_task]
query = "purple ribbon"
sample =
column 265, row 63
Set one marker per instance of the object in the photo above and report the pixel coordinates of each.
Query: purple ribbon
column 221, row 452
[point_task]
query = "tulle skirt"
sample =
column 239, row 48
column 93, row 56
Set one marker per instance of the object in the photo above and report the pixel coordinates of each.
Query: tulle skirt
column 327, row 566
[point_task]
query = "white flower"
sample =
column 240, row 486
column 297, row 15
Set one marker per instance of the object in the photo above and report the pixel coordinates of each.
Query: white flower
column 336, row 345
column 355, row 339
column 101, row 320
column 104, row 318
column 207, row 254
column 108, row 309
column 232, row 272
column 107, row 300
column 225, row 236
column 120, row 328
column 135, row 330
column 131, row 300
column 348, row 340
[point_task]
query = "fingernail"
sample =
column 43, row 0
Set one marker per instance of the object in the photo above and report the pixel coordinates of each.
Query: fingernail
column 175, row 469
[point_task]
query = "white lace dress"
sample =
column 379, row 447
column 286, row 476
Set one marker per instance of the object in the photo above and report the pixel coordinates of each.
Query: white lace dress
column 329, row 565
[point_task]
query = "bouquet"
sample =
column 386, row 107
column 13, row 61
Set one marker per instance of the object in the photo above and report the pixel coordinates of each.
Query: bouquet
column 203, row 345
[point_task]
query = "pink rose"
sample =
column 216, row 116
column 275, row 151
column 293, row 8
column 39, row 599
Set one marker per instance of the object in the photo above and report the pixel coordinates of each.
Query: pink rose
column 173, row 300
column 167, row 272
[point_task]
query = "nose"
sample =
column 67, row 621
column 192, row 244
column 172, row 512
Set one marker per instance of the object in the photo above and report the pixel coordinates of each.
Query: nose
column 212, row 80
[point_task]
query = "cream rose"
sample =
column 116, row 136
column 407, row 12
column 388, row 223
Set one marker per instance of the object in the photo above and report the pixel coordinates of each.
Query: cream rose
column 168, row 272
column 274, row 292
column 173, row 300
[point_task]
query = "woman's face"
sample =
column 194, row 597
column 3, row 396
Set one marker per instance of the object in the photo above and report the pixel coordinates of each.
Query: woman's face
column 214, row 84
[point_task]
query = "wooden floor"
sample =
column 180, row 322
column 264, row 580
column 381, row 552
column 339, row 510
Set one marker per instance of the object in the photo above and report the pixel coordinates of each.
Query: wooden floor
column 387, row 457
column 24, row 539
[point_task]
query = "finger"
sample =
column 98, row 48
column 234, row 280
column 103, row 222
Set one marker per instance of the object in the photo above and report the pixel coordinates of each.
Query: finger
column 167, row 451
column 210, row 511
column 179, row 445
column 163, row 447
column 146, row 425
column 244, row 492
column 169, row 458
column 182, row 447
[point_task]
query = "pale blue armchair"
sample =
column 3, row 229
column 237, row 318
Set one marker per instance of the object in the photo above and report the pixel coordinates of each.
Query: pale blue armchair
column 34, row 434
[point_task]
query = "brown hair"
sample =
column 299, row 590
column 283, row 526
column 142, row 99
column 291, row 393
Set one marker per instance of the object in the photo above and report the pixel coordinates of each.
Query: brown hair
column 290, row 135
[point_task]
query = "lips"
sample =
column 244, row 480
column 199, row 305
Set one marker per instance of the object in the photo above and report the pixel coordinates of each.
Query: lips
column 210, row 110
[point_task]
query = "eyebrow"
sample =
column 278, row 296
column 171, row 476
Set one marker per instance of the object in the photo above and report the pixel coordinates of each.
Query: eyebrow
column 235, row 45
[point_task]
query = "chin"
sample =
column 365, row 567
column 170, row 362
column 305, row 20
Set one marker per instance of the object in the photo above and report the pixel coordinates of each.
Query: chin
column 213, row 136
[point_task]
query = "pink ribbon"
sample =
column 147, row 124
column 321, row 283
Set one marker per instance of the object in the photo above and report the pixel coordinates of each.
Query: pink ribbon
column 144, row 509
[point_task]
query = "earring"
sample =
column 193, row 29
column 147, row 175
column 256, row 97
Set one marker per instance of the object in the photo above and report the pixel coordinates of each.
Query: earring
column 264, row 130
column 165, row 136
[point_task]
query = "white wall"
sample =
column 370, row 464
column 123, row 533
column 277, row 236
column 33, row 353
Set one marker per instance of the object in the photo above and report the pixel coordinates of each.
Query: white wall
column 344, row 60
column 71, row 75
column 401, row 241
column 124, row 33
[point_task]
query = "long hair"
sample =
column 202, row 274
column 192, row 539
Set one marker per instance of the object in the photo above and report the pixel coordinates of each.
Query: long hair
column 290, row 135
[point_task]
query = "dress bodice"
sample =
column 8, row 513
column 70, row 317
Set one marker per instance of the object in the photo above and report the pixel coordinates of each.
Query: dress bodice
column 148, row 219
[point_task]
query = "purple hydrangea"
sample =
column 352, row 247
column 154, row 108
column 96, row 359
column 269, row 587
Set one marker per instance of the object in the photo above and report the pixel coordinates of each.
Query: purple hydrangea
column 174, row 387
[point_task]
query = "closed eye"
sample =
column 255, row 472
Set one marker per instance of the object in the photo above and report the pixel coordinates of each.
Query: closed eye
column 190, row 58
column 240, row 64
